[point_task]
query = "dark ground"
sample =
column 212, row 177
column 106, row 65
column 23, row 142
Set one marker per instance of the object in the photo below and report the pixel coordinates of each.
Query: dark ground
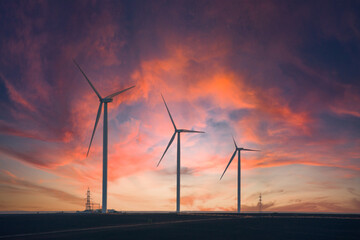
column 183, row 226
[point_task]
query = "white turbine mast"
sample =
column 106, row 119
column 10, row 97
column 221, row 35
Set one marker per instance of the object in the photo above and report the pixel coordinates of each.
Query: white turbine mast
column 238, row 150
column 176, row 131
column 104, row 101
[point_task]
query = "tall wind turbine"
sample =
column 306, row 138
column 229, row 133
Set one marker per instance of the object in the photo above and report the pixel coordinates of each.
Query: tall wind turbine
column 177, row 131
column 104, row 101
column 238, row 150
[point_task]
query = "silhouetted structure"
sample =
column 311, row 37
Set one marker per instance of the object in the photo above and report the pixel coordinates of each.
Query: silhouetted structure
column 89, row 205
column 104, row 101
column 238, row 150
column 260, row 203
column 88, row 201
column 177, row 131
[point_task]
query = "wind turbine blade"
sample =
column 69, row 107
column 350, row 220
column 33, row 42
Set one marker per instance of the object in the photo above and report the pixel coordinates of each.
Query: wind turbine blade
column 171, row 140
column 92, row 86
column 234, row 142
column 168, row 112
column 245, row 149
column 232, row 157
column 96, row 123
column 117, row 93
column 190, row 131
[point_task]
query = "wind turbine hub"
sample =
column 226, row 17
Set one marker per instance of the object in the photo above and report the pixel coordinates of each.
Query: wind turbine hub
column 106, row 100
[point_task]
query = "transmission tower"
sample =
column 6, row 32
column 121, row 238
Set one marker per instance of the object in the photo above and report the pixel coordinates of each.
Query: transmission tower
column 260, row 203
column 88, row 205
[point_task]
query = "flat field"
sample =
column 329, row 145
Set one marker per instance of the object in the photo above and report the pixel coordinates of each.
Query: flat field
column 179, row 226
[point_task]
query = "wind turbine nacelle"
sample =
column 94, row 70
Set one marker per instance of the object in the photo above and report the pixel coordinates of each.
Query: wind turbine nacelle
column 106, row 100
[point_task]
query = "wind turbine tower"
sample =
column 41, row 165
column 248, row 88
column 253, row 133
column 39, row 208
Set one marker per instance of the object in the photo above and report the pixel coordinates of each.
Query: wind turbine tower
column 238, row 150
column 177, row 131
column 103, row 101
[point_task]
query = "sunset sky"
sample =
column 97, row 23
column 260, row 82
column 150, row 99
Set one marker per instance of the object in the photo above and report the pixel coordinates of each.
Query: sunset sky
column 280, row 76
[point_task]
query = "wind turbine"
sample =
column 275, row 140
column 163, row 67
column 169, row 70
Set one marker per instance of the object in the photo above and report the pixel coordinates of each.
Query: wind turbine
column 177, row 131
column 104, row 101
column 238, row 150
